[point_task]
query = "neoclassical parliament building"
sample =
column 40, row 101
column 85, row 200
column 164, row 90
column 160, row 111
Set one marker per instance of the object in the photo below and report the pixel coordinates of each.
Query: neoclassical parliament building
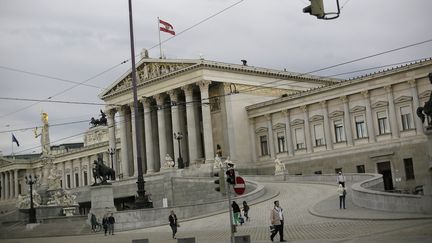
column 253, row 115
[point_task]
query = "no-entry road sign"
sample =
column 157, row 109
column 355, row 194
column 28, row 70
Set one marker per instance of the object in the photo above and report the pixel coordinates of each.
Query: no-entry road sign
column 240, row 185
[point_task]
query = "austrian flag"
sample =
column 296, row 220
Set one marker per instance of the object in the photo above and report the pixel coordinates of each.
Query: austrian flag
column 167, row 27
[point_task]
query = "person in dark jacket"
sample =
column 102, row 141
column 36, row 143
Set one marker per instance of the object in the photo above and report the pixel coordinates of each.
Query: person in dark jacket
column 236, row 212
column 246, row 210
column 105, row 223
column 111, row 222
column 173, row 223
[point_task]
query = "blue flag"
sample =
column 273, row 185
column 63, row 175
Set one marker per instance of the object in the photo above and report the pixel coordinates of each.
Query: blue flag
column 15, row 140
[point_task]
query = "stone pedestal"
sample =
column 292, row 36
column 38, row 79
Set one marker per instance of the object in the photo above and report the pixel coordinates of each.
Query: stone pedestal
column 102, row 200
column 427, row 187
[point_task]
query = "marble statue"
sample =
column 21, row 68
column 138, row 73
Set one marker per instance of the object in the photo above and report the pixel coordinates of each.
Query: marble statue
column 169, row 162
column 279, row 166
column 24, row 201
column 63, row 198
column 218, row 162
column 53, row 178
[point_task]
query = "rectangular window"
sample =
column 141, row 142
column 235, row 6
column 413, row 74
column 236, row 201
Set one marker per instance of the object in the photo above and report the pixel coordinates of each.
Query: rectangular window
column 360, row 127
column 264, row 147
column 85, row 178
column 68, row 181
column 281, row 142
column 360, row 169
column 318, row 172
column 61, row 183
column 406, row 117
column 76, row 180
column 339, row 131
column 409, row 169
column 337, row 170
column 382, row 122
column 319, row 135
column 299, row 136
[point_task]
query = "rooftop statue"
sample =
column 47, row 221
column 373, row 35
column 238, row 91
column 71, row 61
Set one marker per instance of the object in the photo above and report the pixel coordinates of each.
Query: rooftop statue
column 99, row 122
column 426, row 111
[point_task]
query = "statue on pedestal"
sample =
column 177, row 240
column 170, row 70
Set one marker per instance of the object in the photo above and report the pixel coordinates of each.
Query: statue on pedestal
column 279, row 166
column 102, row 172
column 218, row 162
column 426, row 111
column 169, row 162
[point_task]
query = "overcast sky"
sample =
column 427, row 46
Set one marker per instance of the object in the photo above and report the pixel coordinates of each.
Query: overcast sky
column 76, row 40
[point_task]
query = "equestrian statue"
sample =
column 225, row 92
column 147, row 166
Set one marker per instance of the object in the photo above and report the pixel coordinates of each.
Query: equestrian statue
column 102, row 173
column 426, row 110
column 99, row 122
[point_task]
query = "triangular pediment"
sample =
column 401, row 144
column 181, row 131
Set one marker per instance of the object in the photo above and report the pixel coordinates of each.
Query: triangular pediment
column 147, row 70
column 379, row 104
column 279, row 126
column 4, row 162
column 261, row 130
column 403, row 99
column 297, row 122
column 336, row 114
column 358, row 108
column 316, row 118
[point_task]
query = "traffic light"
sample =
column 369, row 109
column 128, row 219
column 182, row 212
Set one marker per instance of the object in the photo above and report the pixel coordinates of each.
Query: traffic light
column 230, row 176
column 316, row 8
column 220, row 181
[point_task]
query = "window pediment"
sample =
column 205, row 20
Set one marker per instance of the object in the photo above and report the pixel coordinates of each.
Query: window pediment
column 297, row 122
column 403, row 99
column 261, row 130
column 425, row 94
column 379, row 104
column 316, row 118
column 279, row 126
column 358, row 108
column 336, row 114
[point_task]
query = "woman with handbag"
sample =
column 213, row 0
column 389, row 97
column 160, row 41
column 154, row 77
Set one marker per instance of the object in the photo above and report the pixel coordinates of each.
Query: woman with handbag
column 173, row 223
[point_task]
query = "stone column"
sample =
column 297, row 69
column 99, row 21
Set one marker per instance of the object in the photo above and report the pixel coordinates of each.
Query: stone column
column 16, row 183
column 392, row 112
column 309, row 147
column 175, row 121
column 288, row 133
column 80, row 172
column 148, row 135
column 90, row 170
column 134, row 144
column 64, row 175
column 370, row 124
column 7, row 195
column 73, row 185
column 2, row 194
column 123, row 142
column 416, row 104
column 191, row 121
column 112, row 136
column 207, row 124
column 347, row 121
column 253, row 139
column 161, row 128
column 270, row 135
column 327, row 133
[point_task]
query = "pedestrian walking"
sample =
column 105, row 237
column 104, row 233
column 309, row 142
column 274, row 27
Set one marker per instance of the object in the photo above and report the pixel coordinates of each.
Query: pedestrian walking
column 341, row 179
column 342, row 194
column 277, row 220
column 246, row 210
column 111, row 222
column 105, row 223
column 93, row 221
column 173, row 223
column 236, row 213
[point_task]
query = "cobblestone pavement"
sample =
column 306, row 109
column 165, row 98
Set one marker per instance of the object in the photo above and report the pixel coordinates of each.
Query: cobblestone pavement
column 300, row 225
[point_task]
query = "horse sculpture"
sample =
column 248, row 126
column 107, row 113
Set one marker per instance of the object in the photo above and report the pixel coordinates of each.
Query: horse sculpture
column 99, row 122
column 426, row 110
column 102, row 173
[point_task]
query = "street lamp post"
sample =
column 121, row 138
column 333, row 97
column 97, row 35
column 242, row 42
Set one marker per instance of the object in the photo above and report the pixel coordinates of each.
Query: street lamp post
column 111, row 152
column 142, row 200
column 32, row 212
column 179, row 137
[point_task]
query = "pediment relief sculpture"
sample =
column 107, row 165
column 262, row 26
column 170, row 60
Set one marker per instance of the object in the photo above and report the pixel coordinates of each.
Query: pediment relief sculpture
column 279, row 126
column 316, row 118
column 379, row 104
column 261, row 130
column 425, row 94
column 336, row 114
column 297, row 122
column 358, row 109
column 403, row 99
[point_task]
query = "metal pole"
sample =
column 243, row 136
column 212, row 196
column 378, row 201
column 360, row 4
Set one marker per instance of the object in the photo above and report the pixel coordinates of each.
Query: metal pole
column 227, row 189
column 142, row 200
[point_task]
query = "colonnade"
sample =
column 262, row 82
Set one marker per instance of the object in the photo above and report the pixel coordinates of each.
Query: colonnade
column 197, row 142
column 9, row 184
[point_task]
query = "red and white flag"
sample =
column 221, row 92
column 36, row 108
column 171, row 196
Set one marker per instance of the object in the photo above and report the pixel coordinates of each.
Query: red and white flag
column 167, row 27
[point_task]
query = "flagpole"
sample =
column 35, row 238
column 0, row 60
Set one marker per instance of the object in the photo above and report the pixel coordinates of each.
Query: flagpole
column 13, row 155
column 160, row 44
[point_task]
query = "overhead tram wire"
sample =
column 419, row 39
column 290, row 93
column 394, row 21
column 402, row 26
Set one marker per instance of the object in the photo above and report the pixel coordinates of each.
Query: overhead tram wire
column 66, row 90
column 336, row 65
column 57, row 101
column 46, row 76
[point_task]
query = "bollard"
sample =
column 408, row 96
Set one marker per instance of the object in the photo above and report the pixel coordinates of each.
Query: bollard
column 186, row 240
column 140, row 241
column 242, row 239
